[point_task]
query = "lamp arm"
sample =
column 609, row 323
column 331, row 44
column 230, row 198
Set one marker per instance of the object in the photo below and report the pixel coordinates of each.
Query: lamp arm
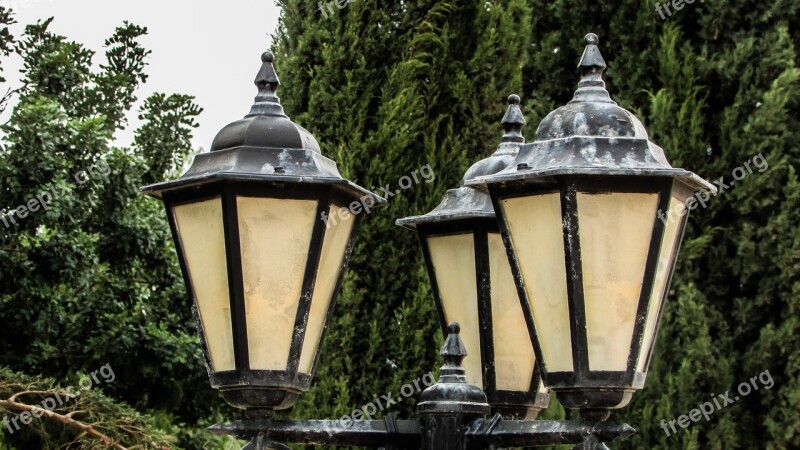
column 501, row 433
column 393, row 434
column 389, row 433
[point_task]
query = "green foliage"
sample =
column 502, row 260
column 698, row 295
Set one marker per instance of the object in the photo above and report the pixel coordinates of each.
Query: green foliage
column 387, row 88
column 92, row 279
column 390, row 86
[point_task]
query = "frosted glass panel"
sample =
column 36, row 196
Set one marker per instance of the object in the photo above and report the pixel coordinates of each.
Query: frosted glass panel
column 333, row 250
column 453, row 260
column 202, row 238
column 275, row 237
column 666, row 255
column 536, row 232
column 615, row 232
column 513, row 350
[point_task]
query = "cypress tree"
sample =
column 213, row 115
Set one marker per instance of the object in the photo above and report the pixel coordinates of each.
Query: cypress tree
column 393, row 86
column 716, row 86
column 389, row 88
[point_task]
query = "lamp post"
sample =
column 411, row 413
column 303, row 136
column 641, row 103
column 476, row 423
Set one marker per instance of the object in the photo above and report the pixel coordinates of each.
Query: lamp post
column 565, row 283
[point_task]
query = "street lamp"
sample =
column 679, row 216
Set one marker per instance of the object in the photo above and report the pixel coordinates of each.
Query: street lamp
column 593, row 216
column 473, row 285
column 567, row 282
column 259, row 258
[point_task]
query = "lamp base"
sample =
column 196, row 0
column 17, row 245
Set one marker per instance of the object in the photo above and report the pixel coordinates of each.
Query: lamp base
column 594, row 398
column 260, row 398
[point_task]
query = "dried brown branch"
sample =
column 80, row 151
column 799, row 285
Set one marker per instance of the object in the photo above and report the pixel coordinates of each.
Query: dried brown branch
column 68, row 421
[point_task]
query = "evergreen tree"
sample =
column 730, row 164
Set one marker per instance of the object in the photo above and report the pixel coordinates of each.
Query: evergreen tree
column 391, row 86
column 716, row 86
column 388, row 88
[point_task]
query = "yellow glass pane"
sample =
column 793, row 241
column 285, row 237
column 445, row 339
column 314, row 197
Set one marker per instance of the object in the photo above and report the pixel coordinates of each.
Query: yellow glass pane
column 537, row 236
column 615, row 233
column 513, row 350
column 275, row 236
column 202, row 237
column 333, row 249
column 666, row 256
column 453, row 259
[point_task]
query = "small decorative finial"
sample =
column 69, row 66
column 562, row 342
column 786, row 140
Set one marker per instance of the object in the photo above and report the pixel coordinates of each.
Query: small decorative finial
column 513, row 121
column 452, row 394
column 453, row 349
column 267, row 82
column 454, row 328
column 592, row 88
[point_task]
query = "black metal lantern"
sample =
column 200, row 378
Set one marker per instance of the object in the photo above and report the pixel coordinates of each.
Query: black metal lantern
column 592, row 215
column 260, row 257
column 473, row 285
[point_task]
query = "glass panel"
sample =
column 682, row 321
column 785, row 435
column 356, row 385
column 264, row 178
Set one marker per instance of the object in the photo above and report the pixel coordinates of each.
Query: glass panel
column 513, row 350
column 275, row 236
column 615, row 232
column 666, row 257
column 537, row 236
column 202, row 237
column 453, row 259
column 333, row 249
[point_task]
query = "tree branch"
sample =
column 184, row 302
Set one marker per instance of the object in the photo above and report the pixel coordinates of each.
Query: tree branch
column 68, row 421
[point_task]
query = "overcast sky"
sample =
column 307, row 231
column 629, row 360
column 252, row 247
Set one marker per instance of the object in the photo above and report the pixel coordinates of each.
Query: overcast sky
column 210, row 50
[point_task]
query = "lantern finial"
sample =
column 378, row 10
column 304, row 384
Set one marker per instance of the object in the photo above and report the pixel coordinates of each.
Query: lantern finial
column 592, row 88
column 513, row 121
column 267, row 101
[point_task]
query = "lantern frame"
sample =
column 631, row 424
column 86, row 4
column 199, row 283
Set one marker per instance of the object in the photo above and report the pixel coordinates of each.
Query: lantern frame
column 470, row 211
column 583, row 386
column 245, row 162
column 591, row 146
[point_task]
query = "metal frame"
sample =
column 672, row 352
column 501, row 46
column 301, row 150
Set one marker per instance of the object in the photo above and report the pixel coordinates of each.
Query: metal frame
column 510, row 404
column 453, row 416
column 240, row 383
column 266, row 155
column 583, row 387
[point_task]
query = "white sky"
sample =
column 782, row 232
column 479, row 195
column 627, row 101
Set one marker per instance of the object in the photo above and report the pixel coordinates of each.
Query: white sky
column 210, row 50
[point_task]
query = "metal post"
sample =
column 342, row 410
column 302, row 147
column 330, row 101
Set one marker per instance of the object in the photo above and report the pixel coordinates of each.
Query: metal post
column 449, row 406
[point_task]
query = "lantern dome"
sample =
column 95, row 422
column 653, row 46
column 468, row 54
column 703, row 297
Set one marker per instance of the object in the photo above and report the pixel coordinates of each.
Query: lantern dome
column 468, row 202
column 591, row 135
column 266, row 125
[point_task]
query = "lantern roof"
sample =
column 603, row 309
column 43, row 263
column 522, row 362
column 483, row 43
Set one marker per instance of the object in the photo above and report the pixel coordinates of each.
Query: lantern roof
column 267, row 125
column 264, row 146
column 470, row 203
column 591, row 135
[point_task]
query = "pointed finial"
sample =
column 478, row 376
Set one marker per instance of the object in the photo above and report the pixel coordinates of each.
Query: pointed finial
column 453, row 351
column 513, row 121
column 452, row 394
column 267, row 82
column 592, row 88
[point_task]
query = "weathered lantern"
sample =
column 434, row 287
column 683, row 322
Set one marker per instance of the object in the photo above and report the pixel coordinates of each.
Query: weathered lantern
column 261, row 261
column 592, row 215
column 473, row 285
